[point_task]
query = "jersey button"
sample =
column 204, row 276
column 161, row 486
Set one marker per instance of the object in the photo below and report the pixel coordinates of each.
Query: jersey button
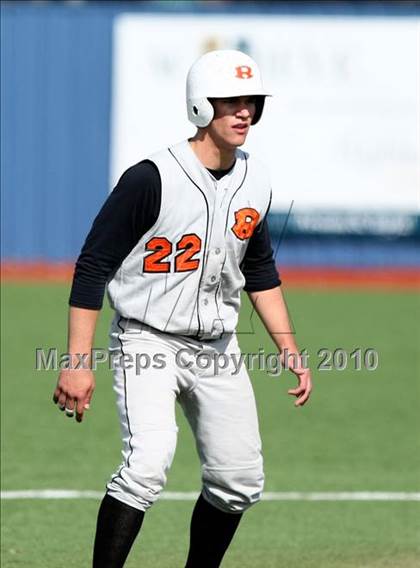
column 217, row 251
column 205, row 301
column 213, row 278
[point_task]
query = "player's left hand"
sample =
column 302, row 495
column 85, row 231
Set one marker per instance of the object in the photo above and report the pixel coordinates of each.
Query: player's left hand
column 303, row 390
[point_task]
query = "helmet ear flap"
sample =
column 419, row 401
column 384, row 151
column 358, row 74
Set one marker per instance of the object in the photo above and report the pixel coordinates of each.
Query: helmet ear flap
column 259, row 107
column 200, row 112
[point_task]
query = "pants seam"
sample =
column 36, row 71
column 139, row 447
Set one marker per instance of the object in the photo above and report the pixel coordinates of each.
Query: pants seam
column 126, row 463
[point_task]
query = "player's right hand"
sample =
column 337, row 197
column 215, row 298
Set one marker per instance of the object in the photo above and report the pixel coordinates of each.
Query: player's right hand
column 74, row 391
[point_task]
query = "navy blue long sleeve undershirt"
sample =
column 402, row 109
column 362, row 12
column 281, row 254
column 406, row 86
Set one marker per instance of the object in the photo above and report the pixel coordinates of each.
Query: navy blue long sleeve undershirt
column 128, row 213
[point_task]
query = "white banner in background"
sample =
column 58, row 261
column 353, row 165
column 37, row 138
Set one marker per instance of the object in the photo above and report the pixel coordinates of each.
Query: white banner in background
column 341, row 131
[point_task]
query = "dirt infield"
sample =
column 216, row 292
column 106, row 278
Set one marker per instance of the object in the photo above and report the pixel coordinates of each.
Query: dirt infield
column 301, row 277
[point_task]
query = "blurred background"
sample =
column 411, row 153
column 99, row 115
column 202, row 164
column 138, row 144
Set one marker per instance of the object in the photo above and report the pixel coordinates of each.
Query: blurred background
column 90, row 88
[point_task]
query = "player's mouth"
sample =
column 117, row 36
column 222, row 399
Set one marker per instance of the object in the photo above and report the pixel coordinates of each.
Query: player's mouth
column 241, row 127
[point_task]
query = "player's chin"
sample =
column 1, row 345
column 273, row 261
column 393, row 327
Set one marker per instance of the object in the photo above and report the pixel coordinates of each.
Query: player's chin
column 238, row 138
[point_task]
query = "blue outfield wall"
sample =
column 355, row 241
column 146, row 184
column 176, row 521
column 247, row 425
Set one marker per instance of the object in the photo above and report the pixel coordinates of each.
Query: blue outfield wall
column 55, row 113
column 55, row 130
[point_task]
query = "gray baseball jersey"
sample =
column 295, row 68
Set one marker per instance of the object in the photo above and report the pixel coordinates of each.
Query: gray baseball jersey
column 183, row 276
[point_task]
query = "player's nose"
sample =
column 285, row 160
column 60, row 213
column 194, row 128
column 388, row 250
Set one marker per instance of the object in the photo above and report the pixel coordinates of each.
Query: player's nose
column 244, row 108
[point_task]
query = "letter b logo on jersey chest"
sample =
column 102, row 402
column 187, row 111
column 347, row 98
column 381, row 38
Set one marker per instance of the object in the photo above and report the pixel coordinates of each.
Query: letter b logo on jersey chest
column 246, row 220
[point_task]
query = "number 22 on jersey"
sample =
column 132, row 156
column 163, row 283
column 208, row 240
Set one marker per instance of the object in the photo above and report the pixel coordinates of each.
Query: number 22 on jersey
column 160, row 248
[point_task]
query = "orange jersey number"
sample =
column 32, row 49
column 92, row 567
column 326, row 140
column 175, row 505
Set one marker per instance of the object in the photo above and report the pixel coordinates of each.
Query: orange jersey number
column 189, row 245
column 161, row 247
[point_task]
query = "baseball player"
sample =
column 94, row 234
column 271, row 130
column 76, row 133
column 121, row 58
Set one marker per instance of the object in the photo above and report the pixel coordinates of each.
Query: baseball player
column 179, row 238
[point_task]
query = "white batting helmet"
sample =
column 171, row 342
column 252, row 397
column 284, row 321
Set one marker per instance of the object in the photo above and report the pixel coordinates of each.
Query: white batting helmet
column 221, row 74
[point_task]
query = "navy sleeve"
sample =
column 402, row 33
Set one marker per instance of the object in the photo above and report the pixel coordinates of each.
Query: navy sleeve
column 128, row 213
column 258, row 265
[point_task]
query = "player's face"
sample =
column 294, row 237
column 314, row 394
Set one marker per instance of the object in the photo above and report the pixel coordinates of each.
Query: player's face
column 232, row 120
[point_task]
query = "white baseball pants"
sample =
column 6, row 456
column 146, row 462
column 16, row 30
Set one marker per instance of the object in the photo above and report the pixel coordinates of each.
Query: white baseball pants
column 153, row 370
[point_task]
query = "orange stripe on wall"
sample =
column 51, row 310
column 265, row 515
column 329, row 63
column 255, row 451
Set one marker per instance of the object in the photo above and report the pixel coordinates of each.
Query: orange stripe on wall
column 365, row 277
column 37, row 271
column 305, row 277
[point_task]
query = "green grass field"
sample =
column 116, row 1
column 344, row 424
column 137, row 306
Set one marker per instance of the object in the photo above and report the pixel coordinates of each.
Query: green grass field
column 360, row 432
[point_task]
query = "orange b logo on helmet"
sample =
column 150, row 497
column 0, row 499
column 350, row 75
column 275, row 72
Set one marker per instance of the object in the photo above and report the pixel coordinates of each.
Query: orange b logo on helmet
column 245, row 222
column 244, row 72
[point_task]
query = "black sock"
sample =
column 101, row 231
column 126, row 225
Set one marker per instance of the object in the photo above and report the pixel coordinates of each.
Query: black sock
column 211, row 533
column 117, row 527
